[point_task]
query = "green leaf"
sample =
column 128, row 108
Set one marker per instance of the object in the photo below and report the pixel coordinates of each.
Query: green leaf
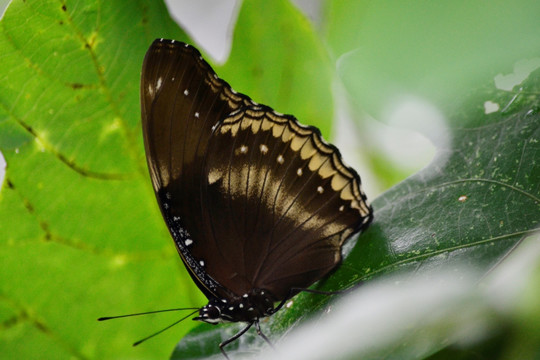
column 81, row 235
column 413, row 318
column 278, row 60
column 473, row 205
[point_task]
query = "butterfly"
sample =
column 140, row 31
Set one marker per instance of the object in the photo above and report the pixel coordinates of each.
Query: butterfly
column 257, row 204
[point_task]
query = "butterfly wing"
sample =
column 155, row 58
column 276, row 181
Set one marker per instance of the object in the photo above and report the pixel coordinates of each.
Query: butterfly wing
column 252, row 198
column 278, row 203
column 182, row 99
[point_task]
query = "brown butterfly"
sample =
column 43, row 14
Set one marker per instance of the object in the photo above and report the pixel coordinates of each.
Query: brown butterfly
column 258, row 205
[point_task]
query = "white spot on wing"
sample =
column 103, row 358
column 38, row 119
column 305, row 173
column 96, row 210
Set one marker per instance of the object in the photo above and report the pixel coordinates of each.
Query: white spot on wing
column 186, row 92
column 197, row 115
column 280, row 159
column 299, row 172
column 188, row 242
column 263, row 148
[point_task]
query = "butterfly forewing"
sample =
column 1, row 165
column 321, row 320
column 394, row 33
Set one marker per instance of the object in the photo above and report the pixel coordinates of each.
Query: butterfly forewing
column 181, row 100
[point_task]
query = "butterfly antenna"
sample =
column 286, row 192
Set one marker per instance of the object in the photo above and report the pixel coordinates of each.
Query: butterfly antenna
column 145, row 313
column 165, row 328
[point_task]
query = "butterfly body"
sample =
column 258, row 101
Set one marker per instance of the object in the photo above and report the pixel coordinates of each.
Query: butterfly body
column 248, row 308
column 258, row 205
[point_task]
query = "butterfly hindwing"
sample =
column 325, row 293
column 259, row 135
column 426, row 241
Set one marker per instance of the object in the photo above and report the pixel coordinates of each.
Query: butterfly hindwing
column 278, row 203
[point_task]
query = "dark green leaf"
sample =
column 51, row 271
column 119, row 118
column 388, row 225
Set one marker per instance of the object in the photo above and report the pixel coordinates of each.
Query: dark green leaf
column 475, row 203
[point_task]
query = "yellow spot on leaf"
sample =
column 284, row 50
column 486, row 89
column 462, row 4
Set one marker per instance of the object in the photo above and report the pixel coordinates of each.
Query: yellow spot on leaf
column 119, row 261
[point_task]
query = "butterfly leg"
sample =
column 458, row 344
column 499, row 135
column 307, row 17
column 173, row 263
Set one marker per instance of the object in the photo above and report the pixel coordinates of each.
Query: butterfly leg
column 233, row 338
column 260, row 333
